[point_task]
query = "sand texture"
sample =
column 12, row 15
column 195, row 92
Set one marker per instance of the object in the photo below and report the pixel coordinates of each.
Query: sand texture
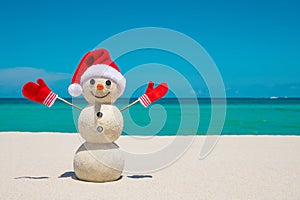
column 40, row 166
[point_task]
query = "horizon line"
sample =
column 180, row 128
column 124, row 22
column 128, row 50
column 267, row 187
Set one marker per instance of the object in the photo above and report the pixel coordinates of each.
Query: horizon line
column 271, row 98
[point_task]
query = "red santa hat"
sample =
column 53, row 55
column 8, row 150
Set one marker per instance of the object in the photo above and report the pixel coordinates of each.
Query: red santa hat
column 96, row 63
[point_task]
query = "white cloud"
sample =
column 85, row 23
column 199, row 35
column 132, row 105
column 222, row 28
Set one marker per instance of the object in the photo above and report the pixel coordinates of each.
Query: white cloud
column 20, row 75
column 13, row 79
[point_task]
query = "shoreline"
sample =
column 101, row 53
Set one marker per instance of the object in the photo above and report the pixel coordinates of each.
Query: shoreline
column 191, row 135
column 40, row 166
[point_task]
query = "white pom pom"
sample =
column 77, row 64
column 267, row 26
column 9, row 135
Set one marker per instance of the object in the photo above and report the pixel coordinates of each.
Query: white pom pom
column 75, row 90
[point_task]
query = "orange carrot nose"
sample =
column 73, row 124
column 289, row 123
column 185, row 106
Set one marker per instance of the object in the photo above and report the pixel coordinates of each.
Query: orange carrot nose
column 100, row 86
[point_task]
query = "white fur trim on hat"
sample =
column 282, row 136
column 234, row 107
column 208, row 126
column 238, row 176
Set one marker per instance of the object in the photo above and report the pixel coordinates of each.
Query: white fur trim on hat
column 102, row 70
column 75, row 90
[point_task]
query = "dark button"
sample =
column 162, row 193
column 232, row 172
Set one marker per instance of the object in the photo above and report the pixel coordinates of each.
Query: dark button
column 99, row 114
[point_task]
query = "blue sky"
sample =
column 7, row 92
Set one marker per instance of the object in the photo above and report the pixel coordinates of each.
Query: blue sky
column 255, row 44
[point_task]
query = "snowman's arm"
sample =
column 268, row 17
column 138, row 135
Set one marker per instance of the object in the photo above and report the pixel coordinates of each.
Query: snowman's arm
column 65, row 101
column 129, row 105
column 39, row 92
column 151, row 95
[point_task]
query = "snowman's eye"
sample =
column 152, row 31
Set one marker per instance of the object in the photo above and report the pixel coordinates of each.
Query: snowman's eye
column 108, row 82
column 92, row 81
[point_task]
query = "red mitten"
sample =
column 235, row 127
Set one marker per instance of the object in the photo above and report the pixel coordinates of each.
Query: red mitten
column 153, row 94
column 39, row 92
column 150, row 87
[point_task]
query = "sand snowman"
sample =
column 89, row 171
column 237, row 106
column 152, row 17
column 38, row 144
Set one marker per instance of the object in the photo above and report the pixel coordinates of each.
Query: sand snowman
column 100, row 124
column 99, row 80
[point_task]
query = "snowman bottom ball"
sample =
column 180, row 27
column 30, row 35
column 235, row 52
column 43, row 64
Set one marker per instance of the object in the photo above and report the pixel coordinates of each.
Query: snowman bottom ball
column 100, row 124
column 98, row 162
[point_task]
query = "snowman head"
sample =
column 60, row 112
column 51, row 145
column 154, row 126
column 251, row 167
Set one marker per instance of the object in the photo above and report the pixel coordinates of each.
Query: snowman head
column 98, row 78
column 101, row 90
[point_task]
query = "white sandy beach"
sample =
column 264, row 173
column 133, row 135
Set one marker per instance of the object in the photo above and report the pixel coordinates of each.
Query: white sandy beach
column 39, row 166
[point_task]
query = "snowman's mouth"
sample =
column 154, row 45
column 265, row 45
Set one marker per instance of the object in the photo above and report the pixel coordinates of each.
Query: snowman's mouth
column 99, row 96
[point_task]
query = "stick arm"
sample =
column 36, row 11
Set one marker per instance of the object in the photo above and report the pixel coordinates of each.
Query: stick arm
column 65, row 101
column 133, row 103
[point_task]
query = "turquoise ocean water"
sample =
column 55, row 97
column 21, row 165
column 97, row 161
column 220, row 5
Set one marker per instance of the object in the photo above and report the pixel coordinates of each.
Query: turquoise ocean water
column 166, row 117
